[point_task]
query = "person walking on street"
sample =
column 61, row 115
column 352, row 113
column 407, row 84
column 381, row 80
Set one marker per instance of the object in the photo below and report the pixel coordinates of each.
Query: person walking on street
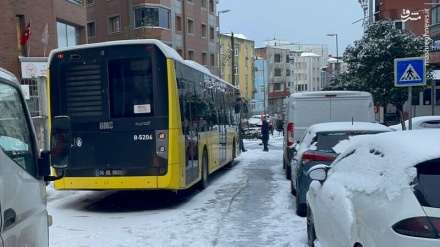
column 271, row 129
column 265, row 132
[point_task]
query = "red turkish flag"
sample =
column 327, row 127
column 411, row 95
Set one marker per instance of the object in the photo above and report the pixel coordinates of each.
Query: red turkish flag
column 27, row 33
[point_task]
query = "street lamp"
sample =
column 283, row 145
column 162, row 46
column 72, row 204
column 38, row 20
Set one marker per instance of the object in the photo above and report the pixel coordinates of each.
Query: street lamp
column 337, row 53
column 219, row 44
column 218, row 14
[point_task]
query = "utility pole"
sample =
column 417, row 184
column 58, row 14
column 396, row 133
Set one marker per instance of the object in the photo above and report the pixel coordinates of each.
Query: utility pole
column 232, row 59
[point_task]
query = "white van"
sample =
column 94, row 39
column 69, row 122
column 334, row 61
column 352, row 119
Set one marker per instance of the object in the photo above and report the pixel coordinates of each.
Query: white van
column 308, row 108
column 24, row 219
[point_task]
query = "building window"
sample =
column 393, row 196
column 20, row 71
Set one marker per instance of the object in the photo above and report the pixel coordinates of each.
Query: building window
column 399, row 24
column 236, row 50
column 152, row 17
column 277, row 72
column 91, row 29
column 191, row 55
column 277, row 58
column 211, row 6
column 77, row 2
column 190, row 26
column 90, row 2
column 179, row 50
column 204, row 31
column 277, row 87
column 287, row 72
column 211, row 34
column 212, row 60
column 114, row 24
column 205, row 4
column 178, row 23
column 435, row 15
column 205, row 58
column 236, row 70
column 67, row 35
column 262, row 88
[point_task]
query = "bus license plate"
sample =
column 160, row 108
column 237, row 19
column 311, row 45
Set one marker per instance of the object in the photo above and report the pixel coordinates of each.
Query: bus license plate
column 110, row 172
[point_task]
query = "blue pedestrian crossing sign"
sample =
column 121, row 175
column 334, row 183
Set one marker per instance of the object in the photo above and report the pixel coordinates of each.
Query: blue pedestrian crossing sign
column 409, row 72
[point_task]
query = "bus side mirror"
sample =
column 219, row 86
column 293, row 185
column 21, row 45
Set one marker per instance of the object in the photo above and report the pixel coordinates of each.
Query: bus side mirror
column 60, row 142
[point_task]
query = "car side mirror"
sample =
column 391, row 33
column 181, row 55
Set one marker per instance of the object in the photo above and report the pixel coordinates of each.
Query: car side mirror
column 318, row 173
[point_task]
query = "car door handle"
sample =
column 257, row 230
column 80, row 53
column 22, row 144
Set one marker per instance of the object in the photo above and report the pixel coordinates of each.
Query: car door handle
column 9, row 216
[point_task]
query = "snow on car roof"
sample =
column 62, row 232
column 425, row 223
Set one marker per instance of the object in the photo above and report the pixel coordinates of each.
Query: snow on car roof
column 347, row 126
column 416, row 121
column 385, row 161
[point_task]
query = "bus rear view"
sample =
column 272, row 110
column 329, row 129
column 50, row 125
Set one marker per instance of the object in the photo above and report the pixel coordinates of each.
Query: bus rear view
column 141, row 116
column 116, row 97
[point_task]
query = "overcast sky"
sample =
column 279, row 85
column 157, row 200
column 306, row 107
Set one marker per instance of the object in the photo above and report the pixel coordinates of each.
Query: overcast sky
column 305, row 21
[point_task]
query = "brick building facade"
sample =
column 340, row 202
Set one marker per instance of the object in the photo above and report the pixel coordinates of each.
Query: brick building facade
column 188, row 26
column 16, row 15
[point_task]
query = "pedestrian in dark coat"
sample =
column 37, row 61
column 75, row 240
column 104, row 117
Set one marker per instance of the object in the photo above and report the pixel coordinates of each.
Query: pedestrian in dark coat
column 265, row 132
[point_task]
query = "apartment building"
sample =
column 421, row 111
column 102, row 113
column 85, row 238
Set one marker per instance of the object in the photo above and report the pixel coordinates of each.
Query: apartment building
column 236, row 54
column 423, row 19
column 189, row 26
column 259, row 102
column 280, row 72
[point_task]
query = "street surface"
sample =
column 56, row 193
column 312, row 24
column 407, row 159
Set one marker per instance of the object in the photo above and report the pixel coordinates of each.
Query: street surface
column 248, row 205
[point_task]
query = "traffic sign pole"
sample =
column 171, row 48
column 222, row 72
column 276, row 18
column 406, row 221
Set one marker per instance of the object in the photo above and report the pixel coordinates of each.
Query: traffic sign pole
column 410, row 107
column 409, row 72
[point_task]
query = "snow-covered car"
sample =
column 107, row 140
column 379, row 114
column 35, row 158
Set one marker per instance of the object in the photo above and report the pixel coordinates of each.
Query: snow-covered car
column 255, row 120
column 252, row 133
column 316, row 147
column 423, row 122
column 383, row 190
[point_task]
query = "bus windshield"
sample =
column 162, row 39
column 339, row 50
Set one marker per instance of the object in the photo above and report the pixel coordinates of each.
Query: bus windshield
column 131, row 87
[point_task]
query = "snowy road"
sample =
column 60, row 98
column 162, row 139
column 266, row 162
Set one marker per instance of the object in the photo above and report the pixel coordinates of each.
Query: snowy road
column 248, row 205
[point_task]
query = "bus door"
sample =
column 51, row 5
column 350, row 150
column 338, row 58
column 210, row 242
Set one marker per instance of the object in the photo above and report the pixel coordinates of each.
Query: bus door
column 190, row 130
column 223, row 115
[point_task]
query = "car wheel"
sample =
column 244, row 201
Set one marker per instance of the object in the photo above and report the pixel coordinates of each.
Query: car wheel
column 311, row 234
column 301, row 209
column 292, row 188
column 203, row 184
column 288, row 171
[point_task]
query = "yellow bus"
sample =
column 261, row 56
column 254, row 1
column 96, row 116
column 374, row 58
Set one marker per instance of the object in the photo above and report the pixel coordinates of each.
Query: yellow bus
column 142, row 117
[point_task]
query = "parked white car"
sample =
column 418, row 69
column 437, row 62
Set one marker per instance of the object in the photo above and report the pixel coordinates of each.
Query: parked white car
column 383, row 190
column 423, row 122
column 255, row 120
